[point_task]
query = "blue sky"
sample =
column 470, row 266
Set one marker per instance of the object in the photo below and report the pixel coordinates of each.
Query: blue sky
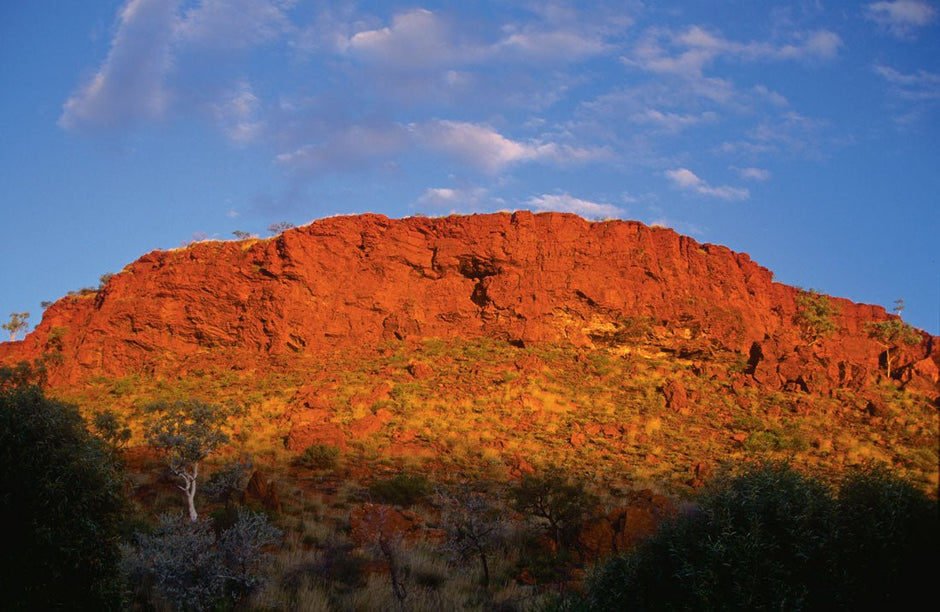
column 803, row 133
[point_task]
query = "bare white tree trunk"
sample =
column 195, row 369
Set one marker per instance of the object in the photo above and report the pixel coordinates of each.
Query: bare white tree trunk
column 189, row 488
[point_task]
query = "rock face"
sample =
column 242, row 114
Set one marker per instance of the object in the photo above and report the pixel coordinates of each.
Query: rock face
column 359, row 281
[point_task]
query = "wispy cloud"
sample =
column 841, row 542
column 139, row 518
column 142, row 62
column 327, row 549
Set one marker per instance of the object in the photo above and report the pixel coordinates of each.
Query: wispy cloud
column 920, row 85
column 448, row 200
column 567, row 203
column 351, row 148
column 129, row 87
column 753, row 174
column 686, row 180
column 901, row 18
column 420, row 39
column 230, row 24
column 237, row 114
column 146, row 70
column 688, row 52
column 416, row 39
column 914, row 94
column 487, row 149
column 790, row 133
column 556, row 46
column 672, row 122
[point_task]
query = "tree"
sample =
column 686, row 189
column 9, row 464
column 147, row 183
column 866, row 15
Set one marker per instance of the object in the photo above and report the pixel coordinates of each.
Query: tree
column 240, row 235
column 814, row 314
column 192, row 567
column 186, row 432
column 63, row 506
column 892, row 334
column 280, row 226
column 112, row 430
column 16, row 324
column 558, row 501
column 772, row 538
column 473, row 523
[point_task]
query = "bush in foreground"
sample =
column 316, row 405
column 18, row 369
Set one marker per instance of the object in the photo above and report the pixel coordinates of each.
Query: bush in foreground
column 63, row 507
column 773, row 538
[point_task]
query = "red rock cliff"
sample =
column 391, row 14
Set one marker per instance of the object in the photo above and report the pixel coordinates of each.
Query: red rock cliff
column 360, row 280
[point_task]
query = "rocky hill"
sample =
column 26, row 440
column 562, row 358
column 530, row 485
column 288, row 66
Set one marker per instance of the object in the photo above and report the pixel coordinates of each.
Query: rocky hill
column 526, row 278
column 498, row 340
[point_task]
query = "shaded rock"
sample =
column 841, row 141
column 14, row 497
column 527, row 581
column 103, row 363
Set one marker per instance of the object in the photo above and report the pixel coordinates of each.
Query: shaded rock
column 370, row 522
column 261, row 491
column 622, row 528
column 420, row 370
column 676, row 397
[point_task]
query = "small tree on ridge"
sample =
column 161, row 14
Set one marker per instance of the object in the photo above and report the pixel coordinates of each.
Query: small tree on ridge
column 186, row 432
column 893, row 333
column 16, row 324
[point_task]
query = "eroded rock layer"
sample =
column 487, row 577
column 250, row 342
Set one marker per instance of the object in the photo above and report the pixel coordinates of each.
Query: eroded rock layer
column 360, row 281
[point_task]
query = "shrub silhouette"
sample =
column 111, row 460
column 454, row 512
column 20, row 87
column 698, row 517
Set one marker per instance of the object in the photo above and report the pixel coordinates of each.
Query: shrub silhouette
column 63, row 507
column 403, row 489
column 773, row 538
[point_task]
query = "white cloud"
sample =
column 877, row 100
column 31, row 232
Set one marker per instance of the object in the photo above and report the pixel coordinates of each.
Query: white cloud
column 789, row 132
column 147, row 70
column 490, row 151
column 422, row 39
column 129, row 86
column 671, row 122
column 555, row 46
column 415, row 39
column 348, row 149
column 230, row 24
column 688, row 52
column 753, row 174
column 915, row 94
column 456, row 200
column 920, row 85
column 901, row 18
column 687, row 180
column 237, row 114
column 568, row 203
column 773, row 97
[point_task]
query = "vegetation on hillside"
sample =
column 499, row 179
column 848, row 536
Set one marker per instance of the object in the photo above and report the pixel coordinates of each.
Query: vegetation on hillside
column 475, row 473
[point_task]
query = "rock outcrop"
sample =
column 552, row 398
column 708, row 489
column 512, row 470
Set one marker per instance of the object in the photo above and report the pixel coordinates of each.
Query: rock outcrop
column 360, row 281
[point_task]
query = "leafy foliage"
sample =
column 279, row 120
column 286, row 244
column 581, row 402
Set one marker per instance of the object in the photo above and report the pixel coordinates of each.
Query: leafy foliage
column 888, row 541
column 229, row 480
column 403, row 489
column 187, row 431
column 555, row 500
column 773, row 538
column 16, row 324
column 318, row 457
column 23, row 374
column 892, row 334
column 474, row 525
column 280, row 227
column 112, row 430
column 192, row 568
column 63, row 507
column 814, row 314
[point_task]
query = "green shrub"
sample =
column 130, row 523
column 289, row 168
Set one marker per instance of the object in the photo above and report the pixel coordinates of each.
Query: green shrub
column 762, row 441
column 318, row 457
column 63, row 506
column 815, row 315
column 403, row 489
column 773, row 538
column 888, row 536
